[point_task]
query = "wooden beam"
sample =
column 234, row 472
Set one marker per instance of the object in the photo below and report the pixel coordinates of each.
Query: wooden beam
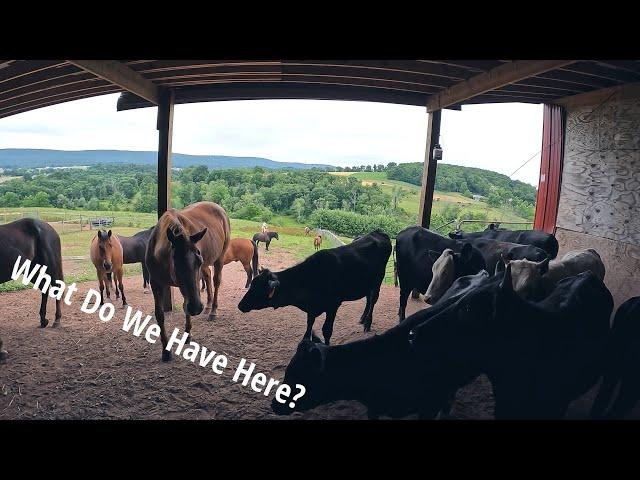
column 497, row 77
column 123, row 76
column 595, row 97
column 429, row 170
column 165, row 134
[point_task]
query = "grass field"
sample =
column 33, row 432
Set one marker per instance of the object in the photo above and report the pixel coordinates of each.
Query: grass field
column 411, row 202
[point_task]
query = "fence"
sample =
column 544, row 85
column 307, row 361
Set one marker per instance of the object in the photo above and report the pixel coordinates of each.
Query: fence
column 72, row 221
column 332, row 237
column 497, row 223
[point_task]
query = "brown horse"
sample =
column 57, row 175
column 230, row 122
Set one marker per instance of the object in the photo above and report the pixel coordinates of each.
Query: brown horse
column 317, row 242
column 244, row 251
column 182, row 247
column 37, row 241
column 107, row 256
column 307, row 230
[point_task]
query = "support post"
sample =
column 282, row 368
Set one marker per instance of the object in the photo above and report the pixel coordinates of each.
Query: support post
column 165, row 134
column 429, row 171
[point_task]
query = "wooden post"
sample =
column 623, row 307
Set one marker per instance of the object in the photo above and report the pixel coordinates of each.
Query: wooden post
column 429, row 171
column 165, row 134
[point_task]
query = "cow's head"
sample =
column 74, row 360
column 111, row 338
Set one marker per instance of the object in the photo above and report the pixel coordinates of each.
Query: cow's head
column 305, row 368
column 527, row 277
column 446, row 268
column 187, row 266
column 261, row 292
column 105, row 249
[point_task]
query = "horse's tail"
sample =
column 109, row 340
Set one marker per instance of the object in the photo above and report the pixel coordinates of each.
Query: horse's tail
column 395, row 268
column 254, row 260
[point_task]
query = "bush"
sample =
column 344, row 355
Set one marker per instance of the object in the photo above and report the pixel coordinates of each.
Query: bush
column 352, row 224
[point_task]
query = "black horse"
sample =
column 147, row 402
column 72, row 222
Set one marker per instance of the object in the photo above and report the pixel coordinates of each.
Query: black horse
column 134, row 248
column 37, row 241
column 266, row 238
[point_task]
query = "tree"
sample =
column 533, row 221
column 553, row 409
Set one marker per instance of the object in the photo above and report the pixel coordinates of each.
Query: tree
column 10, row 199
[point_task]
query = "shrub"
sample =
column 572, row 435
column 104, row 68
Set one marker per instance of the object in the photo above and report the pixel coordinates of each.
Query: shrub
column 352, row 224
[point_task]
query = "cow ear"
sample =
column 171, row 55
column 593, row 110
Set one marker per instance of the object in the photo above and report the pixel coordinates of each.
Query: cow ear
column 506, row 286
column 466, row 253
column 454, row 235
column 433, row 255
column 196, row 237
column 543, row 266
column 273, row 284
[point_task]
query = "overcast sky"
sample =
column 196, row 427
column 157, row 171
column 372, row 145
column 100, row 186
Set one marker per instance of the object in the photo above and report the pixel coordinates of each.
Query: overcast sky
column 496, row 137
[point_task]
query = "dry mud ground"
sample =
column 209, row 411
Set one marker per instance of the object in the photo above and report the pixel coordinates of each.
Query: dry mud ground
column 87, row 369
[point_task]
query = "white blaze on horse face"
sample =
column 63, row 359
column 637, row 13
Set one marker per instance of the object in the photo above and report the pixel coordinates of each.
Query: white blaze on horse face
column 525, row 277
column 444, row 271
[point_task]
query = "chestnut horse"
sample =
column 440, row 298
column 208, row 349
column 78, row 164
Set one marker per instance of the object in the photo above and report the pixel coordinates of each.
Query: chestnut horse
column 181, row 248
column 317, row 242
column 37, row 241
column 108, row 258
column 244, row 251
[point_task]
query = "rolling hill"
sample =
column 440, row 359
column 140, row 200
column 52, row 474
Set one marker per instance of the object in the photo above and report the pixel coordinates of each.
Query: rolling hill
column 38, row 158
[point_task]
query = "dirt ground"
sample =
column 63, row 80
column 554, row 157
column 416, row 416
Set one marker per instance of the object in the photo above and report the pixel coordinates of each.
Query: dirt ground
column 87, row 369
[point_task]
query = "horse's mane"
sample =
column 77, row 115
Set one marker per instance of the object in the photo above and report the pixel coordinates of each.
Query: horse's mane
column 169, row 219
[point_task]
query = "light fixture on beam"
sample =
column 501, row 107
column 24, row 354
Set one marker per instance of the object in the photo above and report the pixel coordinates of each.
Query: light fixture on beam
column 437, row 152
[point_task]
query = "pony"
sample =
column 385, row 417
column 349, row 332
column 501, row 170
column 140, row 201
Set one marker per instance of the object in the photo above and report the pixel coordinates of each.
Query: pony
column 106, row 255
column 307, row 230
column 244, row 251
column 181, row 248
column 317, row 242
column 37, row 241
column 134, row 249
column 266, row 238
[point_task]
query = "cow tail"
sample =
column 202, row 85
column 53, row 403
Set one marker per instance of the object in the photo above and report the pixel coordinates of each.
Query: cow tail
column 254, row 260
column 395, row 268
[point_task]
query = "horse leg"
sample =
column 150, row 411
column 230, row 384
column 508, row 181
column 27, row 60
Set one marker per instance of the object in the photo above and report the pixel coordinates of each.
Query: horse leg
column 187, row 326
column 3, row 353
column 158, row 300
column 56, row 322
column 217, row 278
column 107, row 284
column 124, row 300
column 206, row 278
column 327, row 328
column 266, row 248
column 43, row 311
column 249, row 270
column 101, row 281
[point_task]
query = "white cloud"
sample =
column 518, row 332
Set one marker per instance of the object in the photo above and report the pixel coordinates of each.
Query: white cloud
column 496, row 137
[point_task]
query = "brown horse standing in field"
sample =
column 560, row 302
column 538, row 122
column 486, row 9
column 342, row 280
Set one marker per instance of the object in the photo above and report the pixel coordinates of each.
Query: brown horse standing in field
column 307, row 230
column 107, row 256
column 37, row 241
column 244, row 251
column 317, row 242
column 181, row 248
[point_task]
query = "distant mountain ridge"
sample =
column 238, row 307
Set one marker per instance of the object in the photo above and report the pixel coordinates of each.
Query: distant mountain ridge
column 37, row 158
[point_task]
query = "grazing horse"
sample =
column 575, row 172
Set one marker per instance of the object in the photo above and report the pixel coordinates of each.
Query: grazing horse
column 307, row 230
column 266, row 238
column 182, row 247
column 244, row 251
column 317, row 242
column 133, row 249
column 37, row 241
column 106, row 255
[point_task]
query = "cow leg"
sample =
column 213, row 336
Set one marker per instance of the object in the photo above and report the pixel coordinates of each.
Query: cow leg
column 43, row 311
column 369, row 318
column 404, row 297
column 366, row 308
column 327, row 328
column 158, row 300
column 217, row 278
column 310, row 321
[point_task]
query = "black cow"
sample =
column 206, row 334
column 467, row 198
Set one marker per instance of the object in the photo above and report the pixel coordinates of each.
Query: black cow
column 381, row 371
column 539, row 356
column 622, row 361
column 540, row 239
column 324, row 280
column 415, row 247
